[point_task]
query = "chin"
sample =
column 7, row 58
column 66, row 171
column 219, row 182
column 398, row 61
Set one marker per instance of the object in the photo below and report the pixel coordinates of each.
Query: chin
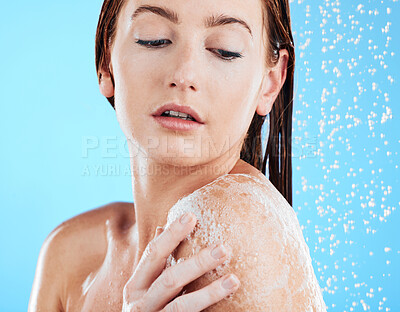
column 179, row 160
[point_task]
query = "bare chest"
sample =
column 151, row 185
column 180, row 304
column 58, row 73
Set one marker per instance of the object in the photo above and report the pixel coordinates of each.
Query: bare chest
column 102, row 288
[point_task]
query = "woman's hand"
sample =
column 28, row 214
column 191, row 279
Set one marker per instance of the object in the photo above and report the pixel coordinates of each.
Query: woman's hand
column 152, row 289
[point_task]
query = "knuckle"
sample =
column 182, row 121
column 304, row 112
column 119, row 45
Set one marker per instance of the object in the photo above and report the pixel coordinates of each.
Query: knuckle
column 215, row 293
column 168, row 279
column 169, row 232
column 178, row 305
column 201, row 262
column 152, row 249
column 174, row 233
column 131, row 294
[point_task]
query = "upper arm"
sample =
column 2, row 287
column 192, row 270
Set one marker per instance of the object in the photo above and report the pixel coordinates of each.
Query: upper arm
column 268, row 251
column 46, row 289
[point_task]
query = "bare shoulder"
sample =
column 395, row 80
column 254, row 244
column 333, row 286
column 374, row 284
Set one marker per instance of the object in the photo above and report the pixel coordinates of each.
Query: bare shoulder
column 91, row 223
column 269, row 254
column 84, row 236
column 74, row 247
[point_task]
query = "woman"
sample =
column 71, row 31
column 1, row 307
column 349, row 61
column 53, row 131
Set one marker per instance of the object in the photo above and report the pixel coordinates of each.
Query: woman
column 191, row 83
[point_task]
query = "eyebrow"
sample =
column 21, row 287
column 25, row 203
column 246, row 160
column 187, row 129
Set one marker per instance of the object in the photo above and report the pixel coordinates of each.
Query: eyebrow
column 172, row 16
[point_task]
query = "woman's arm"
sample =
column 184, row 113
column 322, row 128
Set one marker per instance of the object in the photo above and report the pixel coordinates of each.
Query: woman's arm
column 69, row 253
column 45, row 295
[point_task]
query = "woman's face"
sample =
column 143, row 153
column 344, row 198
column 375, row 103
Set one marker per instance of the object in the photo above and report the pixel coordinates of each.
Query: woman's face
column 186, row 66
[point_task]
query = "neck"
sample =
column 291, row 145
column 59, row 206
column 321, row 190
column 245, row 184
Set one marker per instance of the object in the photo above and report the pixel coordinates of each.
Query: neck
column 157, row 186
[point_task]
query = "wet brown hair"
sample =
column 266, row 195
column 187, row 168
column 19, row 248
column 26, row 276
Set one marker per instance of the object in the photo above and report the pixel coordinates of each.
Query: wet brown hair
column 276, row 20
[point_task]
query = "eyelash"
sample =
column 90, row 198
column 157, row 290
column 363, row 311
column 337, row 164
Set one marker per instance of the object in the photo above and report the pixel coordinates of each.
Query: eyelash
column 229, row 56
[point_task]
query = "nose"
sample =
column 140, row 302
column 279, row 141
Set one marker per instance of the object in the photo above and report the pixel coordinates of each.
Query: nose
column 183, row 84
column 184, row 70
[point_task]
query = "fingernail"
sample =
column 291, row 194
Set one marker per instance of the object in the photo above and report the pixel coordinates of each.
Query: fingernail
column 186, row 218
column 230, row 282
column 218, row 252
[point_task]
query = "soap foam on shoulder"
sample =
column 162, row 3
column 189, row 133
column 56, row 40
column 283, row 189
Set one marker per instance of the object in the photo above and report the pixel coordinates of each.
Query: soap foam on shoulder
column 275, row 226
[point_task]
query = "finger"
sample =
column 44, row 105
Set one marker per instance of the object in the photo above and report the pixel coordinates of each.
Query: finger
column 157, row 251
column 199, row 300
column 173, row 279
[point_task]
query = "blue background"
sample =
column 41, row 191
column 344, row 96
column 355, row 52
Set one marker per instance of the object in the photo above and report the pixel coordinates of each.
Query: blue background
column 63, row 151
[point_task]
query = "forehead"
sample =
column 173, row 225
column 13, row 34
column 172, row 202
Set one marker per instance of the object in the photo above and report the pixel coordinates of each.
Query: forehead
column 199, row 12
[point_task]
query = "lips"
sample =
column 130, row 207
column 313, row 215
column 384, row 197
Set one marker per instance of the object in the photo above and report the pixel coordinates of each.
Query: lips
column 178, row 108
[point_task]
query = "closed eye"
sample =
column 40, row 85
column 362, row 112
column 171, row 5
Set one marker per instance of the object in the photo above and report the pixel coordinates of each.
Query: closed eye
column 225, row 55
column 151, row 43
column 229, row 56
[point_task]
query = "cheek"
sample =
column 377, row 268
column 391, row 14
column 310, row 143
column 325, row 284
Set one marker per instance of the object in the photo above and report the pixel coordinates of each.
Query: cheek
column 128, row 79
column 130, row 91
column 236, row 99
